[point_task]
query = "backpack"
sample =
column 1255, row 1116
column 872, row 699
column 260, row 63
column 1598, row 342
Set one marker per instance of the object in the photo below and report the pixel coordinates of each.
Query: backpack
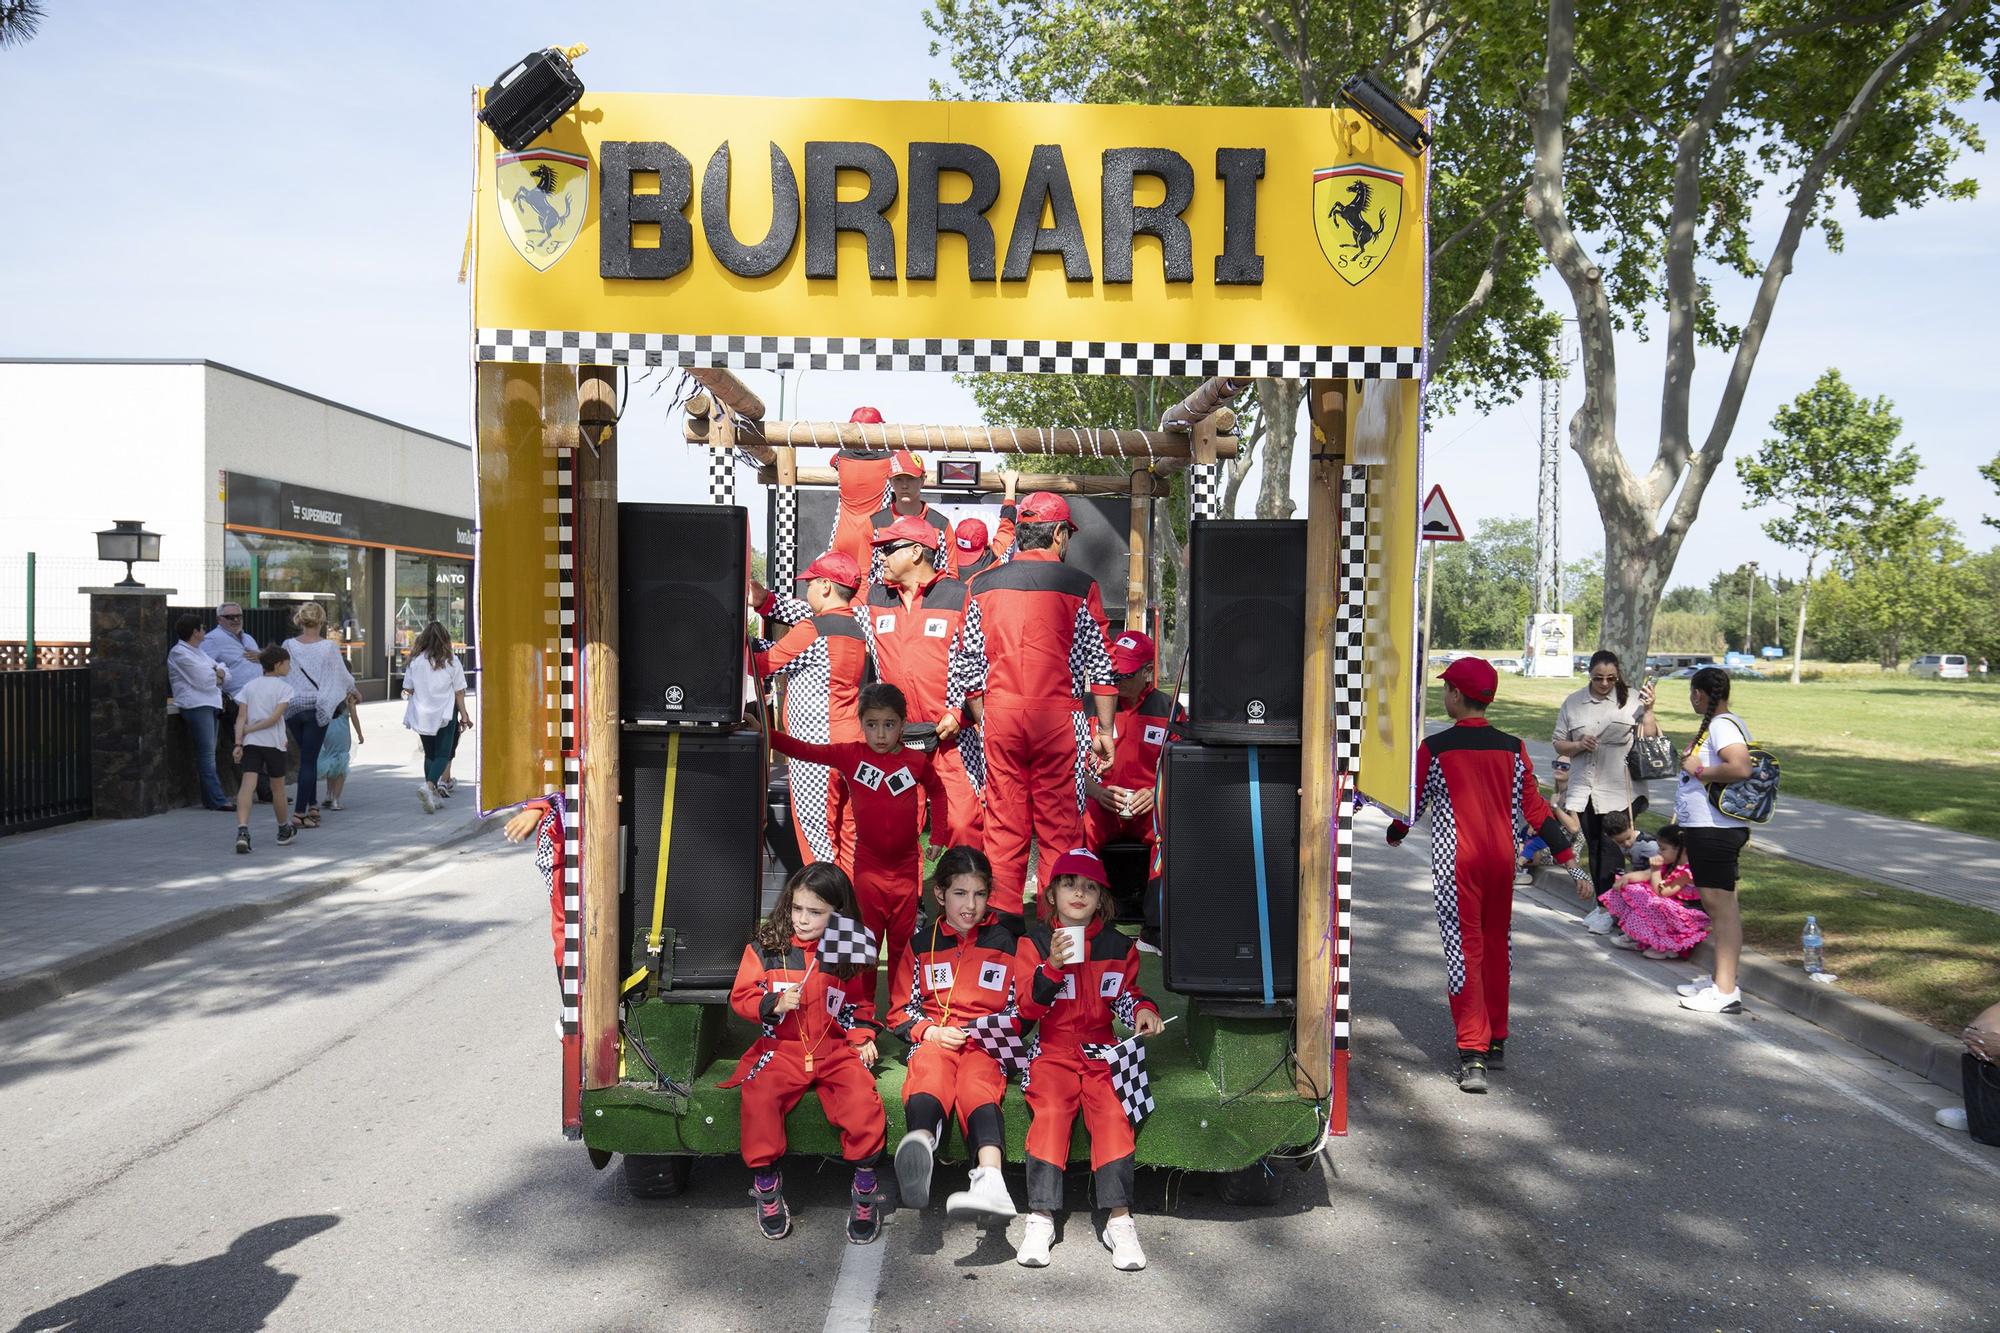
column 1754, row 799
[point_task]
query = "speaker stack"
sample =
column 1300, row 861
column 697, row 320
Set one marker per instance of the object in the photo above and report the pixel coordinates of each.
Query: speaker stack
column 1246, row 676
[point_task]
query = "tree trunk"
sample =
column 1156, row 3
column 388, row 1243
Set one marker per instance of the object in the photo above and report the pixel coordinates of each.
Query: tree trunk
column 1167, row 559
column 1799, row 640
column 1634, row 579
column 1279, row 402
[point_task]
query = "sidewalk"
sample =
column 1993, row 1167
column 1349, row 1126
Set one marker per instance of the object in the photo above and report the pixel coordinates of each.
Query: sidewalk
column 87, row 901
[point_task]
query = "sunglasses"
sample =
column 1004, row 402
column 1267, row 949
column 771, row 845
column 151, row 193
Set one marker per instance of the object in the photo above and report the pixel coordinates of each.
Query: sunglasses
column 234, row 617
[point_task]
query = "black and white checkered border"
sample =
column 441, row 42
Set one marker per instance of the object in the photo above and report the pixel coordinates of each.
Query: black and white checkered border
column 1343, row 917
column 564, row 559
column 722, row 476
column 1350, row 619
column 1204, row 496
column 982, row 355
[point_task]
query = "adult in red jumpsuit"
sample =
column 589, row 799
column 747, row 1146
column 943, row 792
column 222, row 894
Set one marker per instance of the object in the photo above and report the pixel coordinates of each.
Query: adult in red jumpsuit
column 864, row 491
column 1477, row 785
column 916, row 612
column 1030, row 653
column 824, row 659
column 906, row 500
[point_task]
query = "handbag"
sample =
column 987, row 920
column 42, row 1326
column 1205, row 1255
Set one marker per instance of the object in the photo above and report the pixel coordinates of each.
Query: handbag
column 1650, row 759
column 1753, row 799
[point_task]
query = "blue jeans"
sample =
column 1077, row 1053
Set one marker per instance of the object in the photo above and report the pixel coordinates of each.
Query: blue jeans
column 308, row 735
column 201, row 734
column 438, row 750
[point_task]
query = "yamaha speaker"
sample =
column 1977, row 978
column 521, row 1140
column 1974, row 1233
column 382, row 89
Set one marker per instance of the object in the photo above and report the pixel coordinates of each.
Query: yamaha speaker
column 1247, row 613
column 1213, row 943
column 682, row 573
column 715, row 860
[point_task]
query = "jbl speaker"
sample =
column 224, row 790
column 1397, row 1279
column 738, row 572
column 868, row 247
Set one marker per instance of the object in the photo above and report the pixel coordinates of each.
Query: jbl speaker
column 1247, row 612
column 682, row 573
column 1209, row 868
column 715, row 857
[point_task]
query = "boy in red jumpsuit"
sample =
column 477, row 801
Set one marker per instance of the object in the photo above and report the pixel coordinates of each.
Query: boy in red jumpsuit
column 864, row 491
column 1477, row 785
column 811, row 1037
column 1030, row 651
column 916, row 613
column 1075, row 999
column 906, row 501
column 960, row 966
column 824, row 658
column 1118, row 805
column 886, row 789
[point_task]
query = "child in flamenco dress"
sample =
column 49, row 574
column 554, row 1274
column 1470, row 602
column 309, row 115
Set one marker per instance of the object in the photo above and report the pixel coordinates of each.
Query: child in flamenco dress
column 1655, row 908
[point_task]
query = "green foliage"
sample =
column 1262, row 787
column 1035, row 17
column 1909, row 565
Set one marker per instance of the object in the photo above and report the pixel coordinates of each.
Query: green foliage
column 1729, row 600
column 1915, row 595
column 1684, row 632
column 1686, row 598
column 20, row 20
column 1485, row 586
column 1991, row 471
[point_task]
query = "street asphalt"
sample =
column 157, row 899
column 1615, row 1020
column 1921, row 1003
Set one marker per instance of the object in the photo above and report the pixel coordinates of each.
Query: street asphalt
column 345, row 1117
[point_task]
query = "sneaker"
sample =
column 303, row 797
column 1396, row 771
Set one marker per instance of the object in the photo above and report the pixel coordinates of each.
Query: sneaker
column 773, row 1218
column 1033, row 1251
column 446, row 786
column 1472, row 1073
column 1697, row 986
column 913, row 1168
column 985, row 1197
column 1598, row 922
column 242, row 839
column 1524, row 878
column 1121, row 1237
column 1951, row 1117
column 287, row 833
column 1709, row 1000
column 1657, row 953
column 1620, row 940
column 864, row 1218
column 1496, row 1053
column 1148, row 946
column 428, row 797
column 335, row 805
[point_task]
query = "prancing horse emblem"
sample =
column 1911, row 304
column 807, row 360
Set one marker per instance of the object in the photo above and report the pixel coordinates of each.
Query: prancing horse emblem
column 1356, row 209
column 544, row 197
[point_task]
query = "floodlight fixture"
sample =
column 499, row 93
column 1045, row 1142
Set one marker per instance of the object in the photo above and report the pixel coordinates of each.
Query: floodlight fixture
column 958, row 474
column 1379, row 107
column 531, row 96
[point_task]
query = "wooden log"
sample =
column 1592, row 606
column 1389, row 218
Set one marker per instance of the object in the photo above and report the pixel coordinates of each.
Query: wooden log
column 1058, row 442
column 559, row 409
column 1138, row 564
column 597, row 648
column 1059, row 483
column 1198, row 406
column 731, row 392
column 1313, row 1025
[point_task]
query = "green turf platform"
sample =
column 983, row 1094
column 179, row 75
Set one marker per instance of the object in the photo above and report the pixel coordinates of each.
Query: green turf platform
column 1221, row 1086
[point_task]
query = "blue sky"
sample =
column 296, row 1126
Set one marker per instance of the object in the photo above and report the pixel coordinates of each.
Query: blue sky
column 285, row 188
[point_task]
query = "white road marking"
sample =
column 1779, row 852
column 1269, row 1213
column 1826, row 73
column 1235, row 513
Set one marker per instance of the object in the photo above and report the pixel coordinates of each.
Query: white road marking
column 852, row 1309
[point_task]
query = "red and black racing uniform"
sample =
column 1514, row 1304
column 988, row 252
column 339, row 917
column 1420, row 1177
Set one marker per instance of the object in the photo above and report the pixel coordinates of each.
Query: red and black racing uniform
column 913, row 637
column 947, row 980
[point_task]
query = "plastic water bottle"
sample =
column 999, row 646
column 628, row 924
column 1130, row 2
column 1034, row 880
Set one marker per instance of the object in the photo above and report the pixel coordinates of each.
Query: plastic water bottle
column 1813, row 947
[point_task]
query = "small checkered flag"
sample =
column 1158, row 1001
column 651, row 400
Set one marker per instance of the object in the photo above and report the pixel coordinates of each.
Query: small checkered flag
column 1000, row 1036
column 1128, row 1075
column 847, row 943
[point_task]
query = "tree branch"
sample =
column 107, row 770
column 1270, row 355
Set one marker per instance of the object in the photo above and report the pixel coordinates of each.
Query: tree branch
column 1482, row 292
column 1500, row 201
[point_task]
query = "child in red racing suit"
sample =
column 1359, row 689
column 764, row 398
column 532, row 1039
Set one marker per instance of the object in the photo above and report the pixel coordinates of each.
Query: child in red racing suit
column 1075, row 999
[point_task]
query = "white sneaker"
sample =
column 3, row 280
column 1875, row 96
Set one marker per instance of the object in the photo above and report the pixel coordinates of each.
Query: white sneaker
column 1709, row 1000
column 1697, row 986
column 1657, row 953
column 428, row 797
column 986, row 1196
column 1620, row 940
column 1598, row 922
column 913, row 1169
column 1951, row 1117
column 1035, row 1241
column 1121, row 1237
column 1524, row 878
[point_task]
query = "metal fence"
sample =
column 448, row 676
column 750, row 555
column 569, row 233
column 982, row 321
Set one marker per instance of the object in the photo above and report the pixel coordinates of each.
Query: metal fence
column 44, row 748
column 41, row 595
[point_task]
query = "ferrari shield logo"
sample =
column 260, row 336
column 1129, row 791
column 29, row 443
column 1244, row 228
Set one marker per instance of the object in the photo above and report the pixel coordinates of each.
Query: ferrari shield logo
column 544, row 198
column 1355, row 212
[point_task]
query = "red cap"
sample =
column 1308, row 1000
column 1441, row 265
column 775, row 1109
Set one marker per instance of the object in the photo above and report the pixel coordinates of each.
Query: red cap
column 1080, row 861
column 908, row 528
column 836, row 565
column 1475, row 678
column 970, row 535
column 866, row 416
column 906, row 464
column 1131, row 651
column 1042, row 507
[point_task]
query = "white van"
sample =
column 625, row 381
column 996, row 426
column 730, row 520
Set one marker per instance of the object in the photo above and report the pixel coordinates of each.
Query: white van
column 1944, row 666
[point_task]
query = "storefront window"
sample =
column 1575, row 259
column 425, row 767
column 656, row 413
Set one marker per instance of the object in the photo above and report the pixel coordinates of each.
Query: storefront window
column 262, row 570
column 428, row 588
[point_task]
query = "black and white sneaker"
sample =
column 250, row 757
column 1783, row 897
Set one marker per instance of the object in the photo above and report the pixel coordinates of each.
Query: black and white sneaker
column 287, row 833
column 1472, row 1072
column 864, row 1218
column 773, row 1218
column 1709, row 1000
column 242, row 839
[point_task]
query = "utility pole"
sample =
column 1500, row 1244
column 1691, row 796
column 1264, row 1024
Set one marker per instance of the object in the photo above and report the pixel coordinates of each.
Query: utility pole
column 1750, row 613
column 1548, row 491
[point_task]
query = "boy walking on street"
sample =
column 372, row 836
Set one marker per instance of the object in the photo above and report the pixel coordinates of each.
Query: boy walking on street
column 260, row 743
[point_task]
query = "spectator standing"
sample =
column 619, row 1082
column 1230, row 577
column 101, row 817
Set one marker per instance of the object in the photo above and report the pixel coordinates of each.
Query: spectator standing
column 434, row 684
column 1594, row 731
column 320, row 682
column 1719, row 755
column 237, row 652
column 342, row 735
column 196, row 680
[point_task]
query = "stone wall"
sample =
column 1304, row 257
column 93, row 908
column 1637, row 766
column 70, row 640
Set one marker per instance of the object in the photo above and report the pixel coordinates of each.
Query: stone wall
column 130, row 755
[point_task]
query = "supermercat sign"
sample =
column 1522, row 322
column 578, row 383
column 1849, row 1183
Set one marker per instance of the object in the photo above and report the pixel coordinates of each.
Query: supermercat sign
column 768, row 232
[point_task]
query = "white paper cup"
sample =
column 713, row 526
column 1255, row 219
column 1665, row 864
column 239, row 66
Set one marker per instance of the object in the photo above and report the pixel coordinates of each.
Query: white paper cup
column 1075, row 934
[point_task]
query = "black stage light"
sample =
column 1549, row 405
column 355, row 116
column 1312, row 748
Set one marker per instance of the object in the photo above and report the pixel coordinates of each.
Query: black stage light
column 958, row 473
column 531, row 96
column 1381, row 109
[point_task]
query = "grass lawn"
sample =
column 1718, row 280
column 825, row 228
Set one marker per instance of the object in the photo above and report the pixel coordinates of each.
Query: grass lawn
column 1914, row 749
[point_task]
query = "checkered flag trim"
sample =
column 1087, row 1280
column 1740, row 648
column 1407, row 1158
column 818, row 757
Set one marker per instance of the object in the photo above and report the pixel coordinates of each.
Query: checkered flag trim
column 722, row 476
column 785, row 541
column 1203, row 494
column 1350, row 621
column 570, row 799
column 1343, row 920
column 1444, row 875
column 847, row 943
column 999, row 1035
column 955, row 355
column 1128, row 1075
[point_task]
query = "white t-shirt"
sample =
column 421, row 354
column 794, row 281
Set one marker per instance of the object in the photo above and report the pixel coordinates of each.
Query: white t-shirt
column 258, row 700
column 1691, row 805
column 432, row 692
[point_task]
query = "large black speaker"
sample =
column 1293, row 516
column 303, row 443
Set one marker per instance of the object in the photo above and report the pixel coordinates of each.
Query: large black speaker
column 715, row 861
column 1209, row 869
column 1247, row 614
column 682, row 572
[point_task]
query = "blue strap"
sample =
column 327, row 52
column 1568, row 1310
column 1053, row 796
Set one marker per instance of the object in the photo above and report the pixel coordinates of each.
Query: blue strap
column 1263, row 887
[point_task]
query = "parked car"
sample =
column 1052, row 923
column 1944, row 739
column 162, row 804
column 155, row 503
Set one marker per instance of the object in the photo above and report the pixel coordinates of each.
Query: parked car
column 1510, row 665
column 1580, row 663
column 1746, row 673
column 1941, row 666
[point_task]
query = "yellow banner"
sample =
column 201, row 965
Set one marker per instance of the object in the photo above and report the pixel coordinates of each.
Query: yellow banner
column 1271, row 241
column 1393, row 672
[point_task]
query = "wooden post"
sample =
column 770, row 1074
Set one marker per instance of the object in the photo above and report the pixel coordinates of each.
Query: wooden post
column 1138, row 566
column 596, row 577
column 1313, row 1030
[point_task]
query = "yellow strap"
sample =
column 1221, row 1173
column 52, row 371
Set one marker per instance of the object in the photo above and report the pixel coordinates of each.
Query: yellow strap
column 635, row 979
column 666, row 842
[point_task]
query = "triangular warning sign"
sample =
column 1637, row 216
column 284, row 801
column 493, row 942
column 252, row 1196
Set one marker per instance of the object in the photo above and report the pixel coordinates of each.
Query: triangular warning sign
column 1439, row 524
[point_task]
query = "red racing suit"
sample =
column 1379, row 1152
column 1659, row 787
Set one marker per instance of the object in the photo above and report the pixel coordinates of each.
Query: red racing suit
column 1075, row 1005
column 864, row 492
column 913, row 637
column 887, row 813
column 947, row 980
column 1032, row 649
column 1477, row 784
column 811, row 1047
column 944, row 559
column 824, row 661
column 1139, row 732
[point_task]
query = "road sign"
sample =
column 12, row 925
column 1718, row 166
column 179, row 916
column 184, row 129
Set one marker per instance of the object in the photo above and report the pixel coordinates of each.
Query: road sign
column 1438, row 523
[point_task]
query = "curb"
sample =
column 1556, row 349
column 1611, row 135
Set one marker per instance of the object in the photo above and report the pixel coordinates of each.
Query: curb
column 1877, row 1029
column 31, row 990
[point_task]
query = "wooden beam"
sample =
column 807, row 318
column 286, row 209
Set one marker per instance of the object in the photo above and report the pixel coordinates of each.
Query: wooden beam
column 1207, row 398
column 733, row 393
column 559, row 409
column 597, row 631
column 1057, row 442
column 1313, row 1025
column 1058, row 483
column 1137, row 564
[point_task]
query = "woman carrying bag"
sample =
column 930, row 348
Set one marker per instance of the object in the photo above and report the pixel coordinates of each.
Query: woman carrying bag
column 434, row 685
column 320, row 682
column 1719, row 756
column 1594, row 731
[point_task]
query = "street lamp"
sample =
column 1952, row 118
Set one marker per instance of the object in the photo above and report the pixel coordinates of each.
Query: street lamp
column 1749, row 612
column 127, row 539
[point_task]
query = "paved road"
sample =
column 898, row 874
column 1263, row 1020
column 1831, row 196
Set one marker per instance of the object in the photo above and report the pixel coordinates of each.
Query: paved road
column 344, row 1118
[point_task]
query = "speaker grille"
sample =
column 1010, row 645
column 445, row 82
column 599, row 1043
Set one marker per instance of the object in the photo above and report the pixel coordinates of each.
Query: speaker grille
column 681, row 579
column 1246, row 609
column 1209, row 869
column 715, row 863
